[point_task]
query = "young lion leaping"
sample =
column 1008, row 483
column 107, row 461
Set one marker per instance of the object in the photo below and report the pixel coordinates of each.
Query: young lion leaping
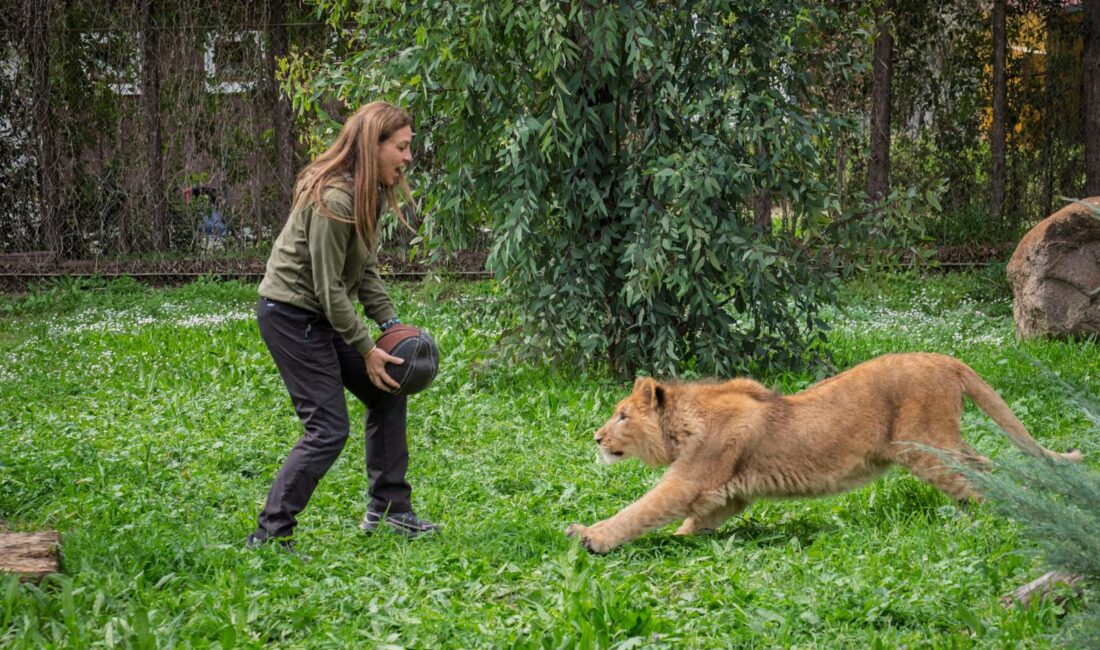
column 728, row 444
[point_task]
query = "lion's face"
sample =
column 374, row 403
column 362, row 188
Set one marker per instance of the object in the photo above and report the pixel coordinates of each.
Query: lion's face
column 634, row 431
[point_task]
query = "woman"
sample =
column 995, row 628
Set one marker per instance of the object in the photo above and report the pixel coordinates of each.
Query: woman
column 324, row 257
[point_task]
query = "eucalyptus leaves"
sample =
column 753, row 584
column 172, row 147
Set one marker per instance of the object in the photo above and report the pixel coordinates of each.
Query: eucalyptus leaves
column 614, row 149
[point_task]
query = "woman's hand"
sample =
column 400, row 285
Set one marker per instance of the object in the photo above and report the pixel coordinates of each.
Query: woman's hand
column 376, row 369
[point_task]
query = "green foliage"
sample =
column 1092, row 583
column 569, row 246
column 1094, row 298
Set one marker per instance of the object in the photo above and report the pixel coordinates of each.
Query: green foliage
column 1057, row 502
column 941, row 113
column 586, row 612
column 873, row 237
column 146, row 426
column 959, row 175
column 67, row 293
column 614, row 149
column 1058, row 505
column 940, row 92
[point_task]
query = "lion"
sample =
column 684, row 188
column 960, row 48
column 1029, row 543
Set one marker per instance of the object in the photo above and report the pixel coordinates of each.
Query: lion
column 730, row 443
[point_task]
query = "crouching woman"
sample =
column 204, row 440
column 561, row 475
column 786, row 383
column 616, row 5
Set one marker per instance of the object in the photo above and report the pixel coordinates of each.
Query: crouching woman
column 324, row 258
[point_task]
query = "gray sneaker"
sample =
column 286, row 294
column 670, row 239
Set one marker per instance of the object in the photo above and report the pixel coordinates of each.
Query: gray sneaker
column 405, row 523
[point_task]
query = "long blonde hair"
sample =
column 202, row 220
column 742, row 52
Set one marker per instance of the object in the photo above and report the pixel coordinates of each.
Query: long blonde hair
column 355, row 153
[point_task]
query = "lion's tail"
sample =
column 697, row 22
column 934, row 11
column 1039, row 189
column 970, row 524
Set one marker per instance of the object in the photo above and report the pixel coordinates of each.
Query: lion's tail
column 989, row 401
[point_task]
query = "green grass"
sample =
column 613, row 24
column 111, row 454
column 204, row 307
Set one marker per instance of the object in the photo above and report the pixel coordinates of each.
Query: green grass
column 146, row 426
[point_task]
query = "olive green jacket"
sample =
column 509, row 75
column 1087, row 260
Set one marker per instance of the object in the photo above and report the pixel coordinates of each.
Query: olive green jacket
column 320, row 264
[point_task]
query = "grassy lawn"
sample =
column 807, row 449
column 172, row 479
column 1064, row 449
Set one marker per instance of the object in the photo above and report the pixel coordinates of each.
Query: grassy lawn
column 146, row 425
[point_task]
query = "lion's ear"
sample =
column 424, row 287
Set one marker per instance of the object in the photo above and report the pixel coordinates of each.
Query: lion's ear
column 649, row 392
column 659, row 396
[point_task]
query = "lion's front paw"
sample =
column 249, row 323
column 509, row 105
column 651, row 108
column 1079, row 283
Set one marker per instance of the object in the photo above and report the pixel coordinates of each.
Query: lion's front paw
column 589, row 538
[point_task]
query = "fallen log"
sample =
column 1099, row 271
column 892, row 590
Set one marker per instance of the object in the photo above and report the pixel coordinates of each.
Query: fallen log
column 31, row 556
column 1041, row 588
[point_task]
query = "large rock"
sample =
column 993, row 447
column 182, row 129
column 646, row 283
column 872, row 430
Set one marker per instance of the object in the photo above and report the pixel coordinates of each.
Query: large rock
column 1055, row 275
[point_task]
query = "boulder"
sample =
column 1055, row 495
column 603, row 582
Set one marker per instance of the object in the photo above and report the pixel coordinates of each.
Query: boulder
column 1055, row 275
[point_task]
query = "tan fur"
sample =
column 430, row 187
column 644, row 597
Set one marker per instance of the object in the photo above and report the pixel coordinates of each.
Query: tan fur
column 728, row 444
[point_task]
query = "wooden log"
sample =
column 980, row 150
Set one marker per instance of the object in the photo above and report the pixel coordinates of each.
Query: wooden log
column 30, row 555
column 1041, row 588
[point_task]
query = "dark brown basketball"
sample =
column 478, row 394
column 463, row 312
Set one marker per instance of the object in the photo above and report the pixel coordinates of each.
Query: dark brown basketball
column 420, row 353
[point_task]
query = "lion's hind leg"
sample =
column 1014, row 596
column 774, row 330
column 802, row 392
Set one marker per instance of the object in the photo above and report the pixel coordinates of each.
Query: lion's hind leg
column 928, row 443
column 709, row 522
column 937, row 470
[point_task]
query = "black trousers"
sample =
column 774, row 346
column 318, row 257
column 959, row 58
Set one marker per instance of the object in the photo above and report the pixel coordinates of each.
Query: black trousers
column 316, row 366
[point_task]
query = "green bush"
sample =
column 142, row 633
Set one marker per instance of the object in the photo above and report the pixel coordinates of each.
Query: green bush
column 614, row 150
column 1058, row 505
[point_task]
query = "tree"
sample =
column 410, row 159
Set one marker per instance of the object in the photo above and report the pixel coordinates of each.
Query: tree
column 613, row 148
column 997, row 134
column 155, row 201
column 1091, row 61
column 878, row 171
column 277, row 49
column 45, row 144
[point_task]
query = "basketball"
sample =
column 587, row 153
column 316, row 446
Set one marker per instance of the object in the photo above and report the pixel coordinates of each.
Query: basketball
column 420, row 353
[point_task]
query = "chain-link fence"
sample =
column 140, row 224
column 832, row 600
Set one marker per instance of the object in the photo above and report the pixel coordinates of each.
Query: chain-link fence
column 146, row 127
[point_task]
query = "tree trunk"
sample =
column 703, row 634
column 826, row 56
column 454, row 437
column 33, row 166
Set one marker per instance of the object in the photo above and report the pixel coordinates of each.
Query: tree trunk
column 1049, row 120
column 278, row 47
column 45, row 143
column 1091, row 65
column 155, row 203
column 878, row 171
column 998, row 128
column 762, row 200
column 841, row 170
column 762, row 209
